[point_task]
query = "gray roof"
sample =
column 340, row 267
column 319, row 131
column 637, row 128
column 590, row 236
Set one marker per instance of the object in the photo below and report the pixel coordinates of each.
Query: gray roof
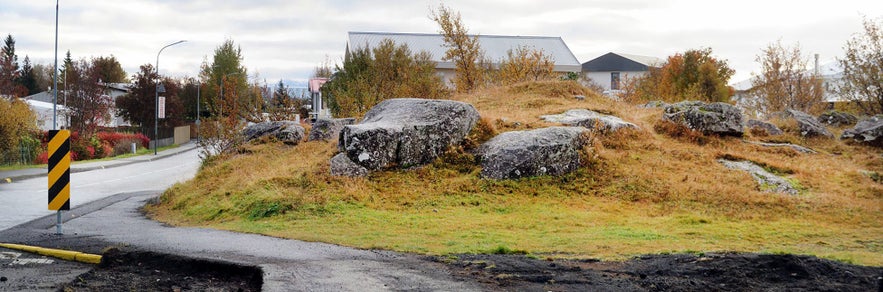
column 496, row 47
column 44, row 96
column 620, row 62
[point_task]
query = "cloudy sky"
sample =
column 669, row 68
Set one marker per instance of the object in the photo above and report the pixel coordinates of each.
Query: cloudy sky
column 284, row 39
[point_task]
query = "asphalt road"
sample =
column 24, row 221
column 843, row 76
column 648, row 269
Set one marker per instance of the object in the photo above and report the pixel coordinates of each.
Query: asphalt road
column 25, row 200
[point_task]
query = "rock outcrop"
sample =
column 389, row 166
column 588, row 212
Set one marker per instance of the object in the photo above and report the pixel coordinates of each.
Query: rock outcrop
column 869, row 131
column 590, row 119
column 325, row 129
column 836, row 118
column 546, row 151
column 406, row 132
column 709, row 118
column 343, row 166
column 807, row 124
column 288, row 132
column 769, row 128
column 767, row 181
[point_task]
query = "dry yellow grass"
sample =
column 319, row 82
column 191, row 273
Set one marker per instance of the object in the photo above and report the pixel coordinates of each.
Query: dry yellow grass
column 639, row 192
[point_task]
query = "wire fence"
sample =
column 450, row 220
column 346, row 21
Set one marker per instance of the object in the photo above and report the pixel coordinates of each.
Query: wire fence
column 23, row 154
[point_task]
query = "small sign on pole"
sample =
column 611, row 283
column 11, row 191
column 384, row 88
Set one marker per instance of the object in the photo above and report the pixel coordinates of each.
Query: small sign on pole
column 162, row 107
column 59, row 173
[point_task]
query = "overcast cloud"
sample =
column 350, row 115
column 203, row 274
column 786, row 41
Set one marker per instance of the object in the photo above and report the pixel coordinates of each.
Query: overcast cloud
column 287, row 39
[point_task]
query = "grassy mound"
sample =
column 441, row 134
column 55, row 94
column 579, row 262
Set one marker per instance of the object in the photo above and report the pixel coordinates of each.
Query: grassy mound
column 654, row 190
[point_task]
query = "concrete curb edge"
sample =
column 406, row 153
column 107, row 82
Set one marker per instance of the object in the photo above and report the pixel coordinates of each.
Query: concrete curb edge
column 56, row 253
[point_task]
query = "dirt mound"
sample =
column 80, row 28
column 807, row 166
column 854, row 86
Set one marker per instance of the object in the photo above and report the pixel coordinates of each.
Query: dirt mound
column 709, row 272
column 148, row 271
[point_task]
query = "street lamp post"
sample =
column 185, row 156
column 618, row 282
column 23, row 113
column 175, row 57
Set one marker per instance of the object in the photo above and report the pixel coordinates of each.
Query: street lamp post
column 198, row 86
column 156, row 99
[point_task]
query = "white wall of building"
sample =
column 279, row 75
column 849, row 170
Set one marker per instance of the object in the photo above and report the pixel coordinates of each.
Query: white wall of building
column 603, row 78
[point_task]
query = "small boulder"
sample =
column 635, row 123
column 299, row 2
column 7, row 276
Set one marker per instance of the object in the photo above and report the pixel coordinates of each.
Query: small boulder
column 869, row 131
column 767, row 181
column 343, row 166
column 807, row 124
column 709, row 118
column 769, row 128
column 590, row 119
column 836, row 118
column 546, row 151
column 327, row 129
column 288, row 132
column 405, row 132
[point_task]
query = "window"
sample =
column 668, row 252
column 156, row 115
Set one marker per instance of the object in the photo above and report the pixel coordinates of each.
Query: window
column 614, row 80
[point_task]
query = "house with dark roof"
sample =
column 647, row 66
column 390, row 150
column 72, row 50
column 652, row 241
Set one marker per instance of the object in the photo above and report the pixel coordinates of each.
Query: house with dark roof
column 42, row 101
column 609, row 70
column 496, row 48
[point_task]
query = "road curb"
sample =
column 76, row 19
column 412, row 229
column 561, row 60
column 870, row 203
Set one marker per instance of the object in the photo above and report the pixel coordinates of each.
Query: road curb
column 56, row 253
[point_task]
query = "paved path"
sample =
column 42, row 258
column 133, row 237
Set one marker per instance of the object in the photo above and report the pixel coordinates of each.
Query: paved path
column 288, row 265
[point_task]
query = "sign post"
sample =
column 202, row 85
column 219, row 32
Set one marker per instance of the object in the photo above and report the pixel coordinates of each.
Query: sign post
column 59, row 173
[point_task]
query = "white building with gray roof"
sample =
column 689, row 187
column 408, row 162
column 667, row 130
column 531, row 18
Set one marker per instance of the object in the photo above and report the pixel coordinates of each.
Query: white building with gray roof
column 496, row 48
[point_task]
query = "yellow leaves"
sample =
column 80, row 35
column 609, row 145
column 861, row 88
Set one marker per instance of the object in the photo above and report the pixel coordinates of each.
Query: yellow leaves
column 526, row 64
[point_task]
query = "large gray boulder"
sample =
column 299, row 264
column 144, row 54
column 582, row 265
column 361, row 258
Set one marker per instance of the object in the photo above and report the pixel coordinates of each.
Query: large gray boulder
column 590, row 119
column 546, row 151
column 836, row 118
column 709, row 118
column 406, row 132
column 869, row 131
column 288, row 132
column 807, row 124
column 327, row 129
column 769, row 128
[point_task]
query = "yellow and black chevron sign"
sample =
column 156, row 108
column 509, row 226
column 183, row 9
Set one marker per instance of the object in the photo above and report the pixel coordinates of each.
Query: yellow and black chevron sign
column 59, row 170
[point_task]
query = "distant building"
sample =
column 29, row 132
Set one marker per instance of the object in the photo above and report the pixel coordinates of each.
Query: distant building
column 609, row 70
column 496, row 48
column 830, row 73
column 40, row 101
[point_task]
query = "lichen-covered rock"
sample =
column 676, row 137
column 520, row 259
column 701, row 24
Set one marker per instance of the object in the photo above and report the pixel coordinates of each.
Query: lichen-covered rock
column 807, row 124
column 546, row 151
column 343, row 166
column 709, row 118
column 288, row 132
column 327, row 129
column 767, row 181
column 590, row 119
column 406, row 132
column 869, row 131
column 770, row 129
column 836, row 118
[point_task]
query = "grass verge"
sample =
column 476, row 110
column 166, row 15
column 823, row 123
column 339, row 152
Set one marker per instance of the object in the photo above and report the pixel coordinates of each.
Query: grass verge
column 639, row 192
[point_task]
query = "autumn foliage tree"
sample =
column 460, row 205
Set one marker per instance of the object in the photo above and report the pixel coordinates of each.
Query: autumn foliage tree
column 862, row 65
column 692, row 75
column 369, row 76
column 462, row 49
column 785, row 82
column 16, row 121
column 526, row 64
column 10, row 73
column 139, row 105
column 87, row 99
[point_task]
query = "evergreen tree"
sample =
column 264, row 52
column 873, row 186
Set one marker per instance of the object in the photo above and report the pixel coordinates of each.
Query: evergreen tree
column 28, row 77
column 9, row 71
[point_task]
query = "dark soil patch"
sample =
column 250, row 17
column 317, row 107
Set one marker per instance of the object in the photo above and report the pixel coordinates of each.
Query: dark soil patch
column 709, row 272
column 148, row 271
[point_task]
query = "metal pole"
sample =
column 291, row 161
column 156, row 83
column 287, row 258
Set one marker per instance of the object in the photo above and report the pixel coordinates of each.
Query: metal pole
column 198, row 86
column 156, row 99
column 55, row 105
